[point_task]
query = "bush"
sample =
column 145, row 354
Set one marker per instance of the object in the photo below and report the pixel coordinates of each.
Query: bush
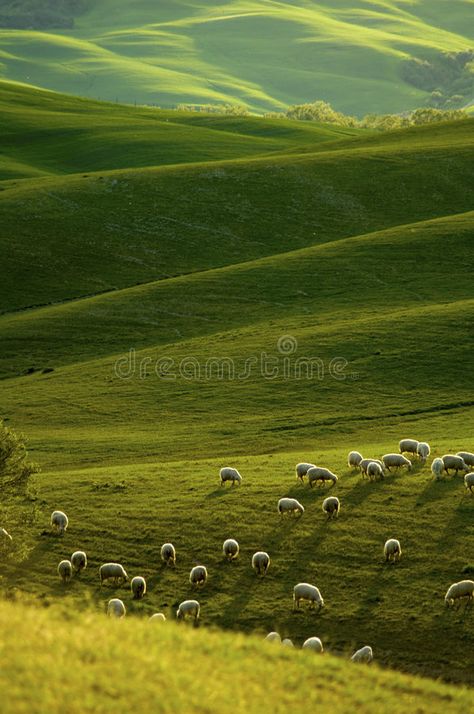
column 15, row 469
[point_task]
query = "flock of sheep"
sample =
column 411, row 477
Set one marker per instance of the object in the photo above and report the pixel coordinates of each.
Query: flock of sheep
column 370, row 468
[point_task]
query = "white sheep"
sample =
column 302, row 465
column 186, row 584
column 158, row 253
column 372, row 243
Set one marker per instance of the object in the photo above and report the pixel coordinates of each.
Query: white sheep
column 116, row 608
column 365, row 654
column 331, row 506
column 305, row 591
column 395, row 461
column 469, row 481
column 409, row 445
column 114, row 572
column 320, row 475
column 353, row 459
column 455, row 463
column 188, row 608
column 467, row 457
column 5, row 537
column 437, row 467
column 365, row 463
column 138, row 587
column 302, row 469
column 464, row 588
column 59, row 522
column 198, row 576
column 65, row 570
column 313, row 643
column 157, row 617
column 423, row 451
column 392, row 549
column 290, row 506
column 230, row 549
column 287, row 642
column 168, row 554
column 273, row 637
column 374, row 471
column 79, row 561
column 230, row 474
column 260, row 562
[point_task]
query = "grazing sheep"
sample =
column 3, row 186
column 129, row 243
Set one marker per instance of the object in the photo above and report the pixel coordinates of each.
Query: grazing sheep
column 437, row 467
column 465, row 588
column 116, row 608
column 302, row 469
column 260, row 562
column 354, row 459
column 157, row 617
column 364, row 465
column 138, row 587
column 188, row 608
column 365, row 654
column 469, row 481
column 287, row 642
column 456, row 463
column 59, row 522
column 392, row 550
column 198, row 576
column 168, row 554
column 313, row 643
column 114, row 572
column 395, row 461
column 5, row 537
column 467, row 457
column 331, row 506
column 273, row 637
column 374, row 471
column 79, row 561
column 230, row 549
column 290, row 505
column 410, row 446
column 230, row 474
column 423, row 451
column 65, row 570
column 305, row 591
column 319, row 475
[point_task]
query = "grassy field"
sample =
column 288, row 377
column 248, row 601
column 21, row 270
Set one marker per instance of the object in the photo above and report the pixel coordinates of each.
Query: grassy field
column 265, row 55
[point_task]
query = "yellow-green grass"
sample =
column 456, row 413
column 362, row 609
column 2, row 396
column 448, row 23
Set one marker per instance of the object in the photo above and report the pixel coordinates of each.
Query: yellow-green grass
column 264, row 55
column 93, row 664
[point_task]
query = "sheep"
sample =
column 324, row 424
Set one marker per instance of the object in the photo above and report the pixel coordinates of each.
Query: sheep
column 138, row 587
column 423, row 451
column 291, row 506
column 304, row 591
column 354, row 459
column 374, row 471
column 157, row 617
column 365, row 654
column 198, row 576
column 469, row 481
column 409, row 445
column 302, row 469
column 320, row 475
column 465, row 588
column 59, row 522
column 116, row 608
column 168, row 554
column 188, row 608
column 331, row 506
column 392, row 550
column 112, row 571
column 65, row 570
column 437, row 467
column 5, row 537
column 395, row 461
column 456, row 463
column 230, row 549
column 287, row 642
column 364, row 465
column 467, row 457
column 273, row 637
column 79, row 561
column 230, row 474
column 260, row 562
column 313, row 643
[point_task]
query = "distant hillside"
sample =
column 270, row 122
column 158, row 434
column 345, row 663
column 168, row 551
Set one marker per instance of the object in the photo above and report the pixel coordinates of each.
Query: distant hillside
column 40, row 14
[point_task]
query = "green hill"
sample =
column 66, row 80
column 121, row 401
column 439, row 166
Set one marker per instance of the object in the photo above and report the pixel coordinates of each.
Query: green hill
column 365, row 56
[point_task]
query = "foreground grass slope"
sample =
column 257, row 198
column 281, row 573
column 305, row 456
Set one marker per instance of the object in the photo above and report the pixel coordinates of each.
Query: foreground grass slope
column 180, row 669
column 261, row 54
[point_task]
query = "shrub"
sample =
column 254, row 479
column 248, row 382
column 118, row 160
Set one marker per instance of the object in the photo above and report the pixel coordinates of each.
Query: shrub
column 15, row 469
